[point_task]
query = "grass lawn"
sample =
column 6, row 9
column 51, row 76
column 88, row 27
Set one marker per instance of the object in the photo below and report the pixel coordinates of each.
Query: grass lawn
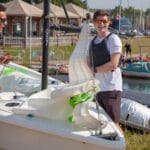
column 137, row 43
column 135, row 140
column 63, row 53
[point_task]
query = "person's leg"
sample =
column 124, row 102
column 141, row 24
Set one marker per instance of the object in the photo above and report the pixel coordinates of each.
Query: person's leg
column 130, row 53
column 101, row 99
column 126, row 53
column 111, row 101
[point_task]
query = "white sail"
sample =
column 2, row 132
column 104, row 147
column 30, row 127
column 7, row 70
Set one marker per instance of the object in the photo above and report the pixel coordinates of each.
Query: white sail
column 78, row 69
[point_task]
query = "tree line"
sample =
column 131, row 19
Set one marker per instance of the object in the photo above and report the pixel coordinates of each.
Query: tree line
column 56, row 2
column 136, row 16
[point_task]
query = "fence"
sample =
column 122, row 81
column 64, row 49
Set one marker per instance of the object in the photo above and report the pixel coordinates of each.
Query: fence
column 55, row 59
column 36, row 41
column 21, row 56
column 18, row 55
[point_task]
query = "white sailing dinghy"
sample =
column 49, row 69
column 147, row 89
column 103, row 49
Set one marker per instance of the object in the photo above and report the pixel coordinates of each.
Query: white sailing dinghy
column 14, row 77
column 62, row 116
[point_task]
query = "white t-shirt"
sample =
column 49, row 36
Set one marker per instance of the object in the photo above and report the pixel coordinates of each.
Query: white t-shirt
column 110, row 80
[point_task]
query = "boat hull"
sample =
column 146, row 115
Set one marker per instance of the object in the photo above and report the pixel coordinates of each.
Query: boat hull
column 22, row 133
column 134, row 74
column 137, row 69
column 19, row 138
column 135, row 114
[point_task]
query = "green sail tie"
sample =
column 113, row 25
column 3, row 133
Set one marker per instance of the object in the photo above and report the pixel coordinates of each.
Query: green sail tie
column 77, row 99
column 80, row 98
column 7, row 71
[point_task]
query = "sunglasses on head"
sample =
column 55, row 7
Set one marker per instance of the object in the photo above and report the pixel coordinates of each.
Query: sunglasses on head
column 99, row 21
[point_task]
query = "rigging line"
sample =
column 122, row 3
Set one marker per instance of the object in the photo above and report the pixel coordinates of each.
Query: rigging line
column 68, row 20
column 64, row 27
column 96, row 98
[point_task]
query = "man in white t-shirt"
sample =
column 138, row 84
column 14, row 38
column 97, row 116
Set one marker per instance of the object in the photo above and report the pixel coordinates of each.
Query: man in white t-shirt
column 104, row 55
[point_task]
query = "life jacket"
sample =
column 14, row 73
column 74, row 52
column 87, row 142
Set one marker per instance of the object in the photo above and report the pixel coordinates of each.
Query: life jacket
column 99, row 53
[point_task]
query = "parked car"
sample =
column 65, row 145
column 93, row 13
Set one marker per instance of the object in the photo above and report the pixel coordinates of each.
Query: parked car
column 131, row 33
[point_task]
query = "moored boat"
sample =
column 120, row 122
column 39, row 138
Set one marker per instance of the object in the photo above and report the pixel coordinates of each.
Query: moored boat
column 41, row 121
column 136, row 69
column 37, row 125
column 135, row 115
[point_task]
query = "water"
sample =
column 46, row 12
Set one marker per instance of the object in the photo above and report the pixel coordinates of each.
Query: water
column 137, row 85
column 63, row 78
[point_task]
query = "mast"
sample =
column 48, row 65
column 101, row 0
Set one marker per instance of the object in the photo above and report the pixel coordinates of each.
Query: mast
column 46, row 24
column 120, row 5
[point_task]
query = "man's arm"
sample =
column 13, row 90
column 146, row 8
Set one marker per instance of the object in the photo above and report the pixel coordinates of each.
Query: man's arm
column 111, row 65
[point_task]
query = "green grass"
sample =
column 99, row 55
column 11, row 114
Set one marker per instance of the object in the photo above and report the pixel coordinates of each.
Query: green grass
column 136, row 140
column 136, row 43
column 64, row 52
column 61, row 53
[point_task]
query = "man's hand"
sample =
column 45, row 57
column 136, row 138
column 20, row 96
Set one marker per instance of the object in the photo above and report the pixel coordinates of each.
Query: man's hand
column 5, row 59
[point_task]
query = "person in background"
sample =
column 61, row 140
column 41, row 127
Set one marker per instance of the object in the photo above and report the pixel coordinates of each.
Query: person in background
column 128, row 48
column 103, row 59
column 5, row 58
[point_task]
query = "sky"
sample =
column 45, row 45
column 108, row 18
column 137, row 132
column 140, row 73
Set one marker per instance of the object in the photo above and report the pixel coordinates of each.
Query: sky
column 109, row 4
